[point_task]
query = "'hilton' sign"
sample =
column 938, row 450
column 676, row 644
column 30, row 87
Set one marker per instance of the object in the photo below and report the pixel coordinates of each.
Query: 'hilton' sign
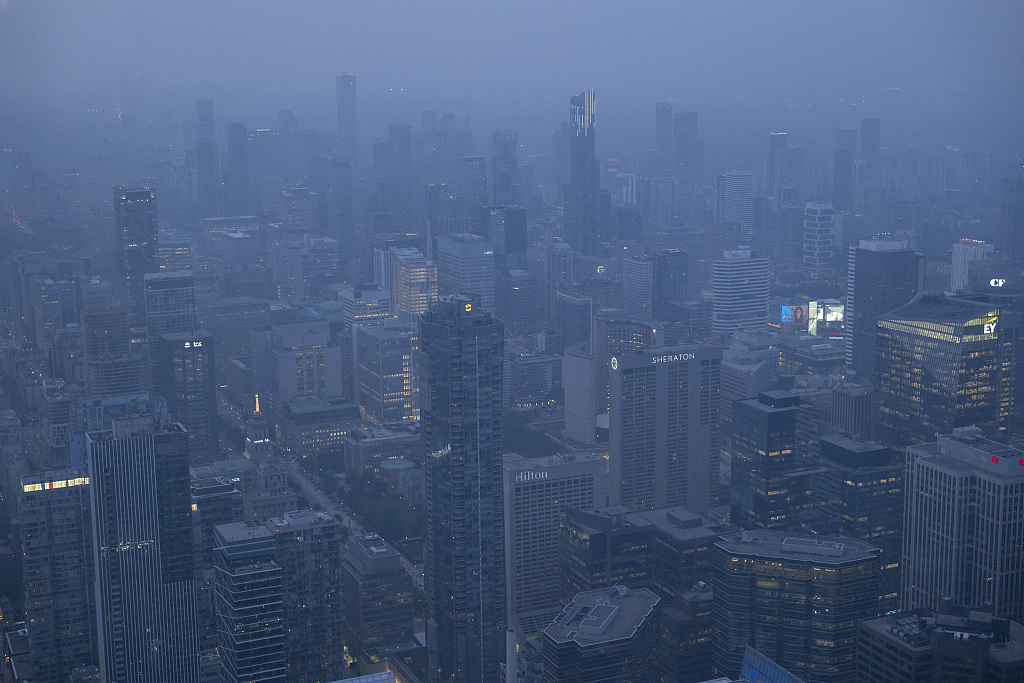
column 530, row 476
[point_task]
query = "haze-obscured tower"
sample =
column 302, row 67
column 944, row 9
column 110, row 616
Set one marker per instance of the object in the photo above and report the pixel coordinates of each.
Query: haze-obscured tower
column 462, row 366
column 346, row 93
column 135, row 237
column 206, row 160
column 581, row 194
column 236, row 175
column 663, row 135
column 505, row 168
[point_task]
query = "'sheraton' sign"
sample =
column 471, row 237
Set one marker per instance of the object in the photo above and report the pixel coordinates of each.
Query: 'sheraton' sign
column 672, row 358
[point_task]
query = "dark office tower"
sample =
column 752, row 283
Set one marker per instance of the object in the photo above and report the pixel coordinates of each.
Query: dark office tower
column 185, row 379
column 473, row 180
column 142, row 531
column 574, row 319
column 604, row 547
column 651, row 283
column 465, row 547
column 605, row 636
column 964, row 524
column 248, row 599
column 1011, row 217
column 687, row 155
column 663, row 438
column 309, row 548
column 844, row 150
column 135, row 235
column 236, row 176
column 392, row 159
column 55, row 535
column 940, row 364
column 861, row 490
column 772, row 441
column 206, row 160
column 505, row 168
column 347, row 130
column 793, row 598
column 378, row 596
column 170, row 308
column 663, row 135
column 870, row 139
column 777, row 142
column 506, row 228
column 882, row 275
column 582, row 206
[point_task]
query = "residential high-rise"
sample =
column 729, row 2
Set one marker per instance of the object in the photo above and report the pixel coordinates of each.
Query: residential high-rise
column 964, row 252
column 795, row 599
column 663, row 428
column 465, row 265
column 941, row 363
column 206, row 160
column 462, row 370
column 773, row 439
column 734, row 201
column 135, row 239
column 740, row 281
column 248, row 594
column 883, row 274
column 143, row 551
column 604, row 636
column 309, row 548
column 537, row 491
column 964, row 524
column 378, row 595
column 663, row 135
column 55, row 536
column 186, row 380
column 819, row 238
column 347, row 129
column 505, row 168
column 237, row 196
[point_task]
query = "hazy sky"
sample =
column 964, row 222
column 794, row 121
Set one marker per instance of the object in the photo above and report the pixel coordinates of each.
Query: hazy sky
column 747, row 66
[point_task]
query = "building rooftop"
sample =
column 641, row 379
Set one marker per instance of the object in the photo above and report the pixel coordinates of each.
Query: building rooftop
column 300, row 519
column 941, row 309
column 682, row 523
column 236, row 532
column 603, row 616
column 966, row 450
column 780, row 545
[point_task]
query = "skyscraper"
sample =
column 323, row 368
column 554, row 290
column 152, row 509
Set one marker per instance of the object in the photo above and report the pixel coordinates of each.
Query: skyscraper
column 581, row 214
column 819, row 238
column 941, row 363
column 734, row 201
column 55, row 536
column 777, row 144
column 170, row 308
column 795, row 599
column 870, row 139
column 663, row 135
column 964, row 524
column 413, row 283
column 387, row 385
column 237, row 197
column 663, row 443
column 135, row 238
column 142, row 534
column 465, row 265
column 248, row 595
column 206, row 160
column 185, row 379
column 844, row 152
column 537, row 491
column 1011, row 217
column 687, row 154
column 740, row 283
column 347, row 142
column 463, row 355
column 883, row 274
column 505, row 168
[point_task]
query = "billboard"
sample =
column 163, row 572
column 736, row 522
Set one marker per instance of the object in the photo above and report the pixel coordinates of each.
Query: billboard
column 796, row 316
column 825, row 318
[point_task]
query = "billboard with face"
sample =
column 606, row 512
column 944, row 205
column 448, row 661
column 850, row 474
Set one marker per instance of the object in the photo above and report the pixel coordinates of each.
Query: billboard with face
column 796, row 316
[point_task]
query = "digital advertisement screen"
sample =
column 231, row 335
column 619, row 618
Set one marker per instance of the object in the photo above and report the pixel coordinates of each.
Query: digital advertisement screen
column 796, row 316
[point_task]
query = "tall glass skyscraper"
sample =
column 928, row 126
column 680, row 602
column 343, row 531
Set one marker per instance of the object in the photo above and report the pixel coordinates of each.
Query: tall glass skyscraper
column 142, row 530
column 135, row 235
column 462, row 365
